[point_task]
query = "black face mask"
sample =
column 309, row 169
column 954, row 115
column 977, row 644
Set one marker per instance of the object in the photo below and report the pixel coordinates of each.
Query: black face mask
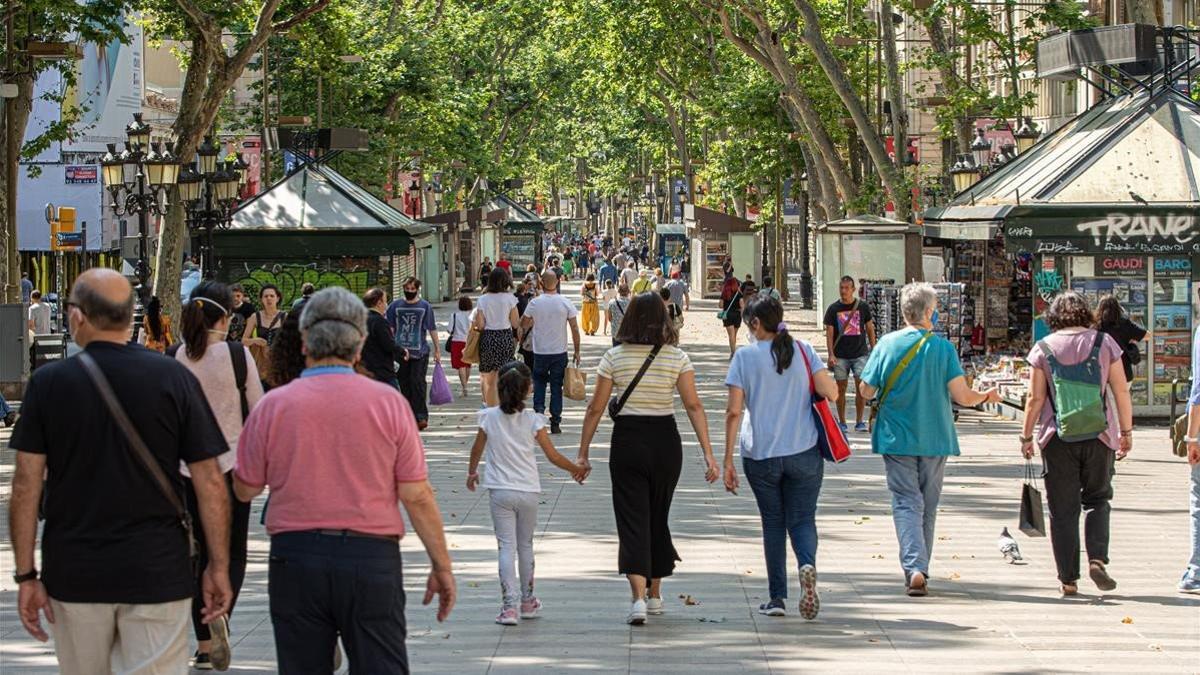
column 410, row 295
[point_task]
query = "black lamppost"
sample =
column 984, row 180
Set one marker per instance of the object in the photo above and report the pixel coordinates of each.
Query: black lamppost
column 153, row 172
column 806, row 281
column 209, row 196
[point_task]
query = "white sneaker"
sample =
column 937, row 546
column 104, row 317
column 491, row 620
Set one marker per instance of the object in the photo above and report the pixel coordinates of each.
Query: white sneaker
column 654, row 606
column 637, row 613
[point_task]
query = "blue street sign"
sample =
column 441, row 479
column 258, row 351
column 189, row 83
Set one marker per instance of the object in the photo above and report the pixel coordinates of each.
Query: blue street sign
column 69, row 239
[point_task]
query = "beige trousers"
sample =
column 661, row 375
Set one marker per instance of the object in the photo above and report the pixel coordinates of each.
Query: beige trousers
column 92, row 638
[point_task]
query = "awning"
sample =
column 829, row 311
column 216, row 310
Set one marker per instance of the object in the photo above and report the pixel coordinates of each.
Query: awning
column 671, row 229
column 1124, row 176
column 708, row 220
column 866, row 224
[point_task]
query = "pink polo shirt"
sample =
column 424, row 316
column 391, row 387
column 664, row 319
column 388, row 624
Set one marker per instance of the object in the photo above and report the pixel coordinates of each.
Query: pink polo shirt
column 331, row 447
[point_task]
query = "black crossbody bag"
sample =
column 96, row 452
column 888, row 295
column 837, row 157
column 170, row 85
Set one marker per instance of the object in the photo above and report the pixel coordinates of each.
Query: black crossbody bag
column 140, row 451
column 616, row 404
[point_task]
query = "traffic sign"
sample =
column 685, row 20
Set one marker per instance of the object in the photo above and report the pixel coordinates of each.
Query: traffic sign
column 69, row 239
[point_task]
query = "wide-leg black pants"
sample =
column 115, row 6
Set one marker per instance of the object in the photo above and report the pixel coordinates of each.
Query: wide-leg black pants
column 645, row 462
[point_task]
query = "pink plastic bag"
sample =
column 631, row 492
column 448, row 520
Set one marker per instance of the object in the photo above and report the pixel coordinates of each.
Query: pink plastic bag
column 439, row 388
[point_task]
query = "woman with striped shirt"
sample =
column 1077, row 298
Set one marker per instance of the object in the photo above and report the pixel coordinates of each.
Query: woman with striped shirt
column 646, row 451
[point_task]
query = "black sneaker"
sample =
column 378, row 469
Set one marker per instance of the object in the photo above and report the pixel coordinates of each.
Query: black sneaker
column 555, row 428
column 201, row 662
column 10, row 419
column 775, row 607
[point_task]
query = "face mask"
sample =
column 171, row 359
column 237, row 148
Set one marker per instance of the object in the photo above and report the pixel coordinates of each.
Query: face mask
column 410, row 295
column 933, row 319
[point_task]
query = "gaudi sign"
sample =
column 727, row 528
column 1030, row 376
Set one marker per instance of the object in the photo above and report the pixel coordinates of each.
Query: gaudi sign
column 1170, row 233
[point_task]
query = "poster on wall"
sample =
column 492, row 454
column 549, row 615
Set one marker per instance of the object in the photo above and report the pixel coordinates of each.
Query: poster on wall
column 108, row 91
column 1172, row 318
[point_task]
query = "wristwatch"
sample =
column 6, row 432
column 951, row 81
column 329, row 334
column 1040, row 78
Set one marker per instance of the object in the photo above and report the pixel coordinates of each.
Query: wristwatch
column 1025, row 439
column 28, row 576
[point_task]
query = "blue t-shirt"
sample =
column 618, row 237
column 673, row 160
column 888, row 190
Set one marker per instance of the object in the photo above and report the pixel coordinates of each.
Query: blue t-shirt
column 411, row 323
column 916, row 418
column 607, row 273
column 780, row 405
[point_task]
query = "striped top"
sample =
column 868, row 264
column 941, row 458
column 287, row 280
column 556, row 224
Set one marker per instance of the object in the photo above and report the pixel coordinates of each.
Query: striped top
column 655, row 394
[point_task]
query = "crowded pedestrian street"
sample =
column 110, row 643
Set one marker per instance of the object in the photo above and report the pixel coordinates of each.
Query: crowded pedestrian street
column 983, row 612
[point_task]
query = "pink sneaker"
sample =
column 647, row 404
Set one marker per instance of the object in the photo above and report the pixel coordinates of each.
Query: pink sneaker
column 530, row 608
column 507, row 616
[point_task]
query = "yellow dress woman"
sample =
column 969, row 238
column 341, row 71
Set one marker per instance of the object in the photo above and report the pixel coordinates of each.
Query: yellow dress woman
column 591, row 306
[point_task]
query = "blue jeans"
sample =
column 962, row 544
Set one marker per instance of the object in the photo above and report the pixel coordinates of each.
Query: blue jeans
column 916, row 486
column 4, row 409
column 549, row 368
column 320, row 586
column 1193, row 568
column 786, row 489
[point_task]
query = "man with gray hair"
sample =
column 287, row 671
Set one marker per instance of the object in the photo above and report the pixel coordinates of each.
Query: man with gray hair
column 338, row 451
column 916, row 374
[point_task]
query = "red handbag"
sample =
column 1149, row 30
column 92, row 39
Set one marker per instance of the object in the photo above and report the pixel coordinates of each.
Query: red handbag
column 831, row 440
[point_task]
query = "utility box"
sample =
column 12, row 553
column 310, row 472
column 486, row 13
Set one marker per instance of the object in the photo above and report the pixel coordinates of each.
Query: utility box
column 14, row 349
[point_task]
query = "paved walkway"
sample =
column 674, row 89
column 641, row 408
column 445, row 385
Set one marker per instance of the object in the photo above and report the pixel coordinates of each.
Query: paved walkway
column 983, row 615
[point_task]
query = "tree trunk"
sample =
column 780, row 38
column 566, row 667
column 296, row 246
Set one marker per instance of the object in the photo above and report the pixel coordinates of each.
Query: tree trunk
column 895, row 92
column 893, row 179
column 16, row 117
column 1144, row 11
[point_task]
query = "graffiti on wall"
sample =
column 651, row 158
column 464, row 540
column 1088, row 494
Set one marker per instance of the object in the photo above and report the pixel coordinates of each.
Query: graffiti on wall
column 289, row 279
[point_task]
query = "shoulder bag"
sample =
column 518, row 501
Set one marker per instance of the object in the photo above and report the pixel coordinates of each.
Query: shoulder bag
column 894, row 376
column 140, row 451
column 450, row 335
column 725, row 312
column 615, row 404
column 831, row 440
column 841, row 334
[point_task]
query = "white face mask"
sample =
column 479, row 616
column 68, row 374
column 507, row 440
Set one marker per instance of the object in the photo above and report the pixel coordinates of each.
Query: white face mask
column 223, row 334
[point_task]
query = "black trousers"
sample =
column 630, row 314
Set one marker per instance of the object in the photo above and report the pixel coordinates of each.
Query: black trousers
column 411, row 376
column 644, row 463
column 1078, row 476
column 527, row 358
column 238, row 533
column 321, row 586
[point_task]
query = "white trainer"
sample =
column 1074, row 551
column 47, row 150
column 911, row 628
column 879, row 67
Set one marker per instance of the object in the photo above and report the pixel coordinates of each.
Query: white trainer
column 654, row 606
column 637, row 613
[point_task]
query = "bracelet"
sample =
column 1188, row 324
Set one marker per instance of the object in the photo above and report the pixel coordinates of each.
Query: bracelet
column 1127, row 432
column 1025, row 439
column 472, row 474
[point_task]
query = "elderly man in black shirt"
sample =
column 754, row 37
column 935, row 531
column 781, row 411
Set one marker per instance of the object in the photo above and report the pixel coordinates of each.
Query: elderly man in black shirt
column 117, row 579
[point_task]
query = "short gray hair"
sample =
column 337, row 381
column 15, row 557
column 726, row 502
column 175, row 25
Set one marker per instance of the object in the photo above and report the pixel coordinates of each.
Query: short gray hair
column 916, row 299
column 334, row 324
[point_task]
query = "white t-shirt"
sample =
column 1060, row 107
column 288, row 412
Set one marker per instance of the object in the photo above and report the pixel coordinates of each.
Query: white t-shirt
column 629, row 275
column 39, row 314
column 460, row 321
column 509, row 453
column 550, row 313
column 495, row 308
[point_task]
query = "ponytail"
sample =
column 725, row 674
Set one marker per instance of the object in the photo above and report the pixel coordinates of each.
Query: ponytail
column 512, row 386
column 210, row 302
column 768, row 312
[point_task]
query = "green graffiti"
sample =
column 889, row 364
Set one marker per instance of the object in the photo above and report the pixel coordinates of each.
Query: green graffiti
column 1049, row 283
column 354, row 276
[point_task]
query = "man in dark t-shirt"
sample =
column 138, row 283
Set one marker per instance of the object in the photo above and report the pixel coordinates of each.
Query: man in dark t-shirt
column 243, row 309
column 117, row 579
column 849, row 337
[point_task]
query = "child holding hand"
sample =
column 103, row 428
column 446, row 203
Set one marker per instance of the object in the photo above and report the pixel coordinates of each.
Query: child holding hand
column 506, row 438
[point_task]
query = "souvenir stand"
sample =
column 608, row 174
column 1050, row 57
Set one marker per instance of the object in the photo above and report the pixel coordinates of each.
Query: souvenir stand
column 715, row 236
column 1108, row 204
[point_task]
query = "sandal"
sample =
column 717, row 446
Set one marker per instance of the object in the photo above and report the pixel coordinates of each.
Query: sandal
column 1068, row 590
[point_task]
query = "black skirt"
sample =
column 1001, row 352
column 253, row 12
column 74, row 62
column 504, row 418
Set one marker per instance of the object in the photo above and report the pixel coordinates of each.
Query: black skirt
column 644, row 463
column 495, row 349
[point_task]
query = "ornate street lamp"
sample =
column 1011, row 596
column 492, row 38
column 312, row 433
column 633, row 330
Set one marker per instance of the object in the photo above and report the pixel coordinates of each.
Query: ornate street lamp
column 981, row 148
column 1026, row 135
column 806, row 280
column 210, row 197
column 144, row 194
column 964, row 172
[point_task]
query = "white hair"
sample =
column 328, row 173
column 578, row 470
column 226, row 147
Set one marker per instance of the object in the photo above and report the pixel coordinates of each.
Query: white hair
column 334, row 323
column 916, row 299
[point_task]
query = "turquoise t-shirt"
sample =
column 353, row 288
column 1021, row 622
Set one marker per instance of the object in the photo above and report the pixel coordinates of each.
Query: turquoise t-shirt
column 916, row 418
